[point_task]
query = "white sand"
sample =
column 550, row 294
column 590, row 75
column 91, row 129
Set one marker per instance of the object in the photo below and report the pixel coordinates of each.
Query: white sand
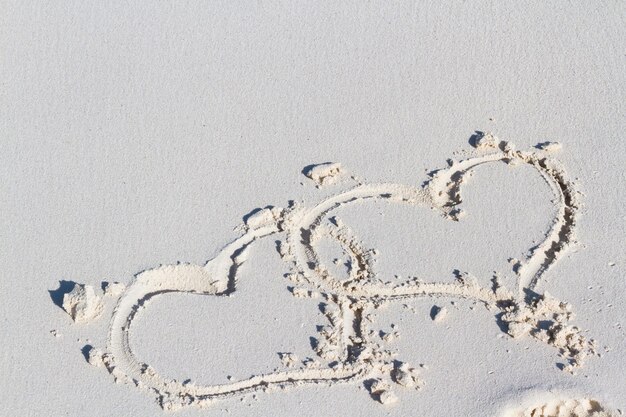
column 137, row 141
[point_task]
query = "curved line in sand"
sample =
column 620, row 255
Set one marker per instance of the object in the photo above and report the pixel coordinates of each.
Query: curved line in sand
column 218, row 277
column 540, row 257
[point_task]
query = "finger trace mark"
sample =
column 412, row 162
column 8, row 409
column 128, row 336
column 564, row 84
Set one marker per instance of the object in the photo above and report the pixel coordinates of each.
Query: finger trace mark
column 347, row 348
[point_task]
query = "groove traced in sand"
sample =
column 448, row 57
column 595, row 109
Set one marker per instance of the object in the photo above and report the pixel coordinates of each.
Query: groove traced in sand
column 346, row 347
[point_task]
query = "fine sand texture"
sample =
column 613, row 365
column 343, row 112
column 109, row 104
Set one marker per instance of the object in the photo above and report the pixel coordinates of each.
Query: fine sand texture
column 316, row 209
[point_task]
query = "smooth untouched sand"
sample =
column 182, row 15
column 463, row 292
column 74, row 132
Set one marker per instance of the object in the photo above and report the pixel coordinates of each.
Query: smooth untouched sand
column 401, row 259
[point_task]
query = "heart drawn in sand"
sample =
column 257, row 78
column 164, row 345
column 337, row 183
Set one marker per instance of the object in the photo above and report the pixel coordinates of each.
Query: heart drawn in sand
column 345, row 350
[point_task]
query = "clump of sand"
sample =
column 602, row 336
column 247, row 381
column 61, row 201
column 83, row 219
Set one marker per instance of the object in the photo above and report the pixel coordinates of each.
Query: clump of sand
column 546, row 319
column 570, row 407
column 323, row 174
column 113, row 289
column 82, row 303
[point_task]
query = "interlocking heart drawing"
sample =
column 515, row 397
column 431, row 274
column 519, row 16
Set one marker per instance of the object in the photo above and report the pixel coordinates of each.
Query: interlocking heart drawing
column 345, row 348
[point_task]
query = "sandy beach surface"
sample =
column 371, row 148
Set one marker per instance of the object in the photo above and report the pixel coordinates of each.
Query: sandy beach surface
column 313, row 208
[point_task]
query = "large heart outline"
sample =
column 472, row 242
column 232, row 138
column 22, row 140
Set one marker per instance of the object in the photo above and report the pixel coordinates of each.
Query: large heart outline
column 354, row 356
